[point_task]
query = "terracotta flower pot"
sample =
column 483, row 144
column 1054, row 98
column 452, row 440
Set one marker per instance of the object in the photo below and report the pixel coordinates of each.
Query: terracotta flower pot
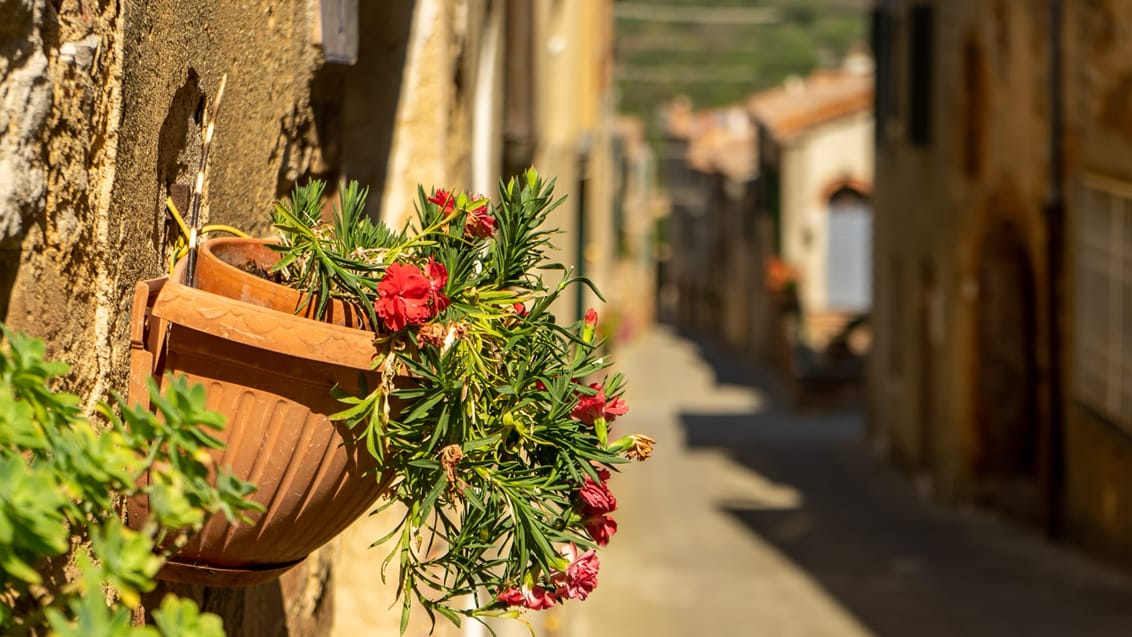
column 270, row 373
column 225, row 266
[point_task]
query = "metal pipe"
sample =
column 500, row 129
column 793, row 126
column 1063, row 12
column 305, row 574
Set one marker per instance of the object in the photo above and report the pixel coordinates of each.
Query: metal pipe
column 1055, row 224
column 519, row 95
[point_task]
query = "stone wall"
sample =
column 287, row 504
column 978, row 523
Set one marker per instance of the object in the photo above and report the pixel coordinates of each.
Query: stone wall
column 101, row 107
column 935, row 203
column 947, row 210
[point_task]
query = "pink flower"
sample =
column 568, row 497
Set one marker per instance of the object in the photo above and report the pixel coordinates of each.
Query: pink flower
column 590, row 408
column 600, row 528
column 580, row 578
column 437, row 276
column 444, row 199
column 479, row 223
column 403, row 297
column 534, row 598
column 596, row 497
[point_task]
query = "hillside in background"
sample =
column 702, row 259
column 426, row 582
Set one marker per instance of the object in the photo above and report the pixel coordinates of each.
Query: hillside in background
column 719, row 51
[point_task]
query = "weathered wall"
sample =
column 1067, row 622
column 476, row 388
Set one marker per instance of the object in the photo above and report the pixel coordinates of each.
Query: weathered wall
column 59, row 105
column 940, row 210
column 1098, row 90
column 932, row 211
column 100, row 104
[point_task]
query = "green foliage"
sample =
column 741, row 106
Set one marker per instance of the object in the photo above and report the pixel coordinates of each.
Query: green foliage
column 331, row 260
column 59, row 482
column 473, row 409
column 808, row 34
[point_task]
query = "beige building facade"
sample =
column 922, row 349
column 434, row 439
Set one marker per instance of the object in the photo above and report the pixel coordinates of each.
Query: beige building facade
column 1002, row 315
column 816, row 174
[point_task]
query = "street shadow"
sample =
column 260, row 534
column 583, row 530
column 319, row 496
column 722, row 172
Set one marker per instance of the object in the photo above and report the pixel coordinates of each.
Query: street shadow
column 898, row 563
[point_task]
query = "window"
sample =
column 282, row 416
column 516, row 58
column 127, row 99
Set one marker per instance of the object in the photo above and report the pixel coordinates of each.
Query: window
column 1103, row 269
column 881, row 34
column 921, row 71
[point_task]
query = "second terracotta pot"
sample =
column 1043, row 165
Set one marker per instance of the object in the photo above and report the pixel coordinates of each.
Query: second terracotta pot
column 236, row 267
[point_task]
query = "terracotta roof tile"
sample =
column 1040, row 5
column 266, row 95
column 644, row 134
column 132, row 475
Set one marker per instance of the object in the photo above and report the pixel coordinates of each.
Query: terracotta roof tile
column 800, row 105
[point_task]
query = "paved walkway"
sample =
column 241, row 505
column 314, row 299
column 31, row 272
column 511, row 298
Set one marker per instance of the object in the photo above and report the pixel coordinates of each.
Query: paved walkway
column 750, row 521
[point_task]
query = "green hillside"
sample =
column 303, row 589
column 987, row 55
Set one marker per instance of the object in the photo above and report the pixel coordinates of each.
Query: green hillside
column 719, row 51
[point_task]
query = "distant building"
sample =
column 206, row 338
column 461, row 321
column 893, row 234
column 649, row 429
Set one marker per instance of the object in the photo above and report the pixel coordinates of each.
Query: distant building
column 1002, row 361
column 708, row 164
column 815, row 174
column 788, row 175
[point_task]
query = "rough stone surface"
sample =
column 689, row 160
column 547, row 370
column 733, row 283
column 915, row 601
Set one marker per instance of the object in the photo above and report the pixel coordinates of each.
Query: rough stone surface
column 25, row 103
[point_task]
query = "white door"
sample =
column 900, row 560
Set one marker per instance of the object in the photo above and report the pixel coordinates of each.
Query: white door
column 849, row 257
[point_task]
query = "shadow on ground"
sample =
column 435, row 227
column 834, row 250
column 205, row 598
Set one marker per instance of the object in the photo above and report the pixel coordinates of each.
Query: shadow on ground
column 901, row 565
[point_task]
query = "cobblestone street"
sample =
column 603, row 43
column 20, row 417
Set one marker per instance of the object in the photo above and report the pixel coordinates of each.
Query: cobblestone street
column 752, row 521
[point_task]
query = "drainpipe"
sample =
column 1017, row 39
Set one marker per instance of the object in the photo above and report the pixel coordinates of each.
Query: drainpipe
column 580, row 232
column 1055, row 224
column 519, row 88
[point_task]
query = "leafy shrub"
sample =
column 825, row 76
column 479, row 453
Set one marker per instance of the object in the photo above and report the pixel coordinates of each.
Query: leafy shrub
column 60, row 481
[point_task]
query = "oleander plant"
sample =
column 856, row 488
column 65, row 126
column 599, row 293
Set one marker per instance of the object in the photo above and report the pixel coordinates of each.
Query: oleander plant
column 496, row 418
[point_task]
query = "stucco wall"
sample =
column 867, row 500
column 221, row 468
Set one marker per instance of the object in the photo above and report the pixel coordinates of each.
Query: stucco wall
column 988, row 165
column 931, row 214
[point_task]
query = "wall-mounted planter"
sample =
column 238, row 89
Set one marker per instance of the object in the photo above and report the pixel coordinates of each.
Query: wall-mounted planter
column 270, row 373
column 223, row 267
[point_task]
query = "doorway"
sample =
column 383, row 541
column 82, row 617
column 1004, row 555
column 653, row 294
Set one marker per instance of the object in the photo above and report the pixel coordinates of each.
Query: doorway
column 1006, row 413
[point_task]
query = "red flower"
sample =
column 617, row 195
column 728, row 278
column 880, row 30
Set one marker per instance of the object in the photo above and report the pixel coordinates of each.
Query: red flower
column 596, row 497
column 403, row 297
column 590, row 408
column 580, row 578
column 600, row 528
column 535, row 598
column 444, row 199
column 520, row 309
column 437, row 279
column 591, row 317
column 479, row 223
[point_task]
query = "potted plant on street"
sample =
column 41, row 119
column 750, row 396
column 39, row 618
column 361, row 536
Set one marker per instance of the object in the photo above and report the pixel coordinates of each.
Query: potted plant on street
column 457, row 392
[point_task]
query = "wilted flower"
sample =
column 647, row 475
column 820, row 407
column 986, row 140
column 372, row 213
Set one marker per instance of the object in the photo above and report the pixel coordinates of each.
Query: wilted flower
column 641, row 449
column 432, row 334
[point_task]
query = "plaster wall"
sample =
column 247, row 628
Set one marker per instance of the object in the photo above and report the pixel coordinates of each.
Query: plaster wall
column 932, row 209
column 837, row 152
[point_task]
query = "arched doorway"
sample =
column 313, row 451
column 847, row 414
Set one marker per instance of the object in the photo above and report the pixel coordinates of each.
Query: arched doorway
column 1006, row 413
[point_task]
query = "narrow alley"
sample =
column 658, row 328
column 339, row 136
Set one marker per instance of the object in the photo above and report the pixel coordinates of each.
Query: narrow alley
column 750, row 521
